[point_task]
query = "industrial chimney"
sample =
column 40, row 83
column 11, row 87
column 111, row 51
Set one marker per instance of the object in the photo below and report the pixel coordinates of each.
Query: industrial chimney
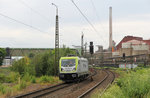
column 110, row 28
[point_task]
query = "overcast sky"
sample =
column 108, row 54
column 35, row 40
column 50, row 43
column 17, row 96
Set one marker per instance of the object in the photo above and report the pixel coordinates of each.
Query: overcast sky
column 130, row 17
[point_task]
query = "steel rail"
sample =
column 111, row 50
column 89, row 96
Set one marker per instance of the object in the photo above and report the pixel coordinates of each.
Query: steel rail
column 91, row 89
column 113, row 76
column 42, row 92
column 51, row 91
column 108, row 84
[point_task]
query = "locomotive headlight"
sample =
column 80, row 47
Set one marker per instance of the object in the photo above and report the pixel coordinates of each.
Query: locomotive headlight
column 74, row 75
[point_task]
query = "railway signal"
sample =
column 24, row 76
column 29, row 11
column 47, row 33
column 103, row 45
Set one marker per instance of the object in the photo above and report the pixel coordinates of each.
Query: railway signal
column 91, row 48
column 124, row 56
column 91, row 51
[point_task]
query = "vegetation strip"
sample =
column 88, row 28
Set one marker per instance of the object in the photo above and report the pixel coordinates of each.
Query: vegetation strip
column 132, row 83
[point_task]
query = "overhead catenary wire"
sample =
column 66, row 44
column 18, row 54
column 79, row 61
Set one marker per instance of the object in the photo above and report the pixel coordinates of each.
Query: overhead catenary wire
column 97, row 15
column 94, row 8
column 86, row 18
column 45, row 18
column 22, row 23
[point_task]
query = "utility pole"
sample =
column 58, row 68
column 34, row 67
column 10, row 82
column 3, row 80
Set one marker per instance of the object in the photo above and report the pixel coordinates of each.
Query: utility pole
column 56, row 41
column 85, row 49
column 82, row 45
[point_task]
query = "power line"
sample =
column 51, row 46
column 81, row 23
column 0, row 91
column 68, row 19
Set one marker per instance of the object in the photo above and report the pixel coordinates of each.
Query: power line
column 94, row 8
column 22, row 23
column 45, row 18
column 98, row 17
column 85, row 18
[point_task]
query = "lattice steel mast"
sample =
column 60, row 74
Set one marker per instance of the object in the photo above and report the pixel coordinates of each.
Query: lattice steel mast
column 56, row 41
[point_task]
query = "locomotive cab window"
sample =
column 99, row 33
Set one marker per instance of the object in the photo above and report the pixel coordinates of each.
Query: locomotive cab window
column 68, row 62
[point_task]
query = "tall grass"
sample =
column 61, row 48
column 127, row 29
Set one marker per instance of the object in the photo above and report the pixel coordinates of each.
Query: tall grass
column 114, row 92
column 2, row 89
column 134, row 84
column 48, row 79
column 13, row 77
column 20, row 86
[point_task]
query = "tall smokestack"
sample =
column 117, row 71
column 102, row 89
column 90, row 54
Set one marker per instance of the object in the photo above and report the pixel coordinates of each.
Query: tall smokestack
column 110, row 28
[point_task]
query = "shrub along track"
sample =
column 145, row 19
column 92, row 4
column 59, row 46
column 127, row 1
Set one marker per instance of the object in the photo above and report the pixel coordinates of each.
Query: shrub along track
column 73, row 90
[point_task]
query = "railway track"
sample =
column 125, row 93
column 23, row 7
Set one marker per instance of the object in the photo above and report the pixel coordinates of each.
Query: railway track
column 48, row 90
column 43, row 92
column 99, row 83
column 65, row 88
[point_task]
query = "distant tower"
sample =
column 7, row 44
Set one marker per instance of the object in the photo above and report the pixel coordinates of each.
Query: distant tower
column 110, row 28
column 82, row 50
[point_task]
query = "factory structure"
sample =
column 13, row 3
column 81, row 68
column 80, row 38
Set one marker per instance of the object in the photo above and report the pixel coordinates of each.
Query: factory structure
column 129, row 45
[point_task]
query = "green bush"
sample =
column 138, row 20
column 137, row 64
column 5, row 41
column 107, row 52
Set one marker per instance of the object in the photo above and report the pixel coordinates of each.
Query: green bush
column 33, row 80
column 23, row 66
column 44, row 79
column 44, row 64
column 2, row 55
column 48, row 79
column 3, row 78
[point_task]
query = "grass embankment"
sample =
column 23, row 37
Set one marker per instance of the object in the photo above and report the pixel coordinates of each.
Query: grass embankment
column 131, row 84
column 12, row 83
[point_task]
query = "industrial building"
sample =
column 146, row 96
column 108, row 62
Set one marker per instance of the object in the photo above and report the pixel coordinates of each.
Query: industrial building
column 131, row 45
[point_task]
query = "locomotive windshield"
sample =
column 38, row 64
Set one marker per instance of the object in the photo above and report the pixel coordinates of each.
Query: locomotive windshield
column 68, row 62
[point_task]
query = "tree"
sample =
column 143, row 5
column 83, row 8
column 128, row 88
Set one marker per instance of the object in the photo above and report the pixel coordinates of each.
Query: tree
column 2, row 55
column 31, row 55
column 44, row 63
column 23, row 66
